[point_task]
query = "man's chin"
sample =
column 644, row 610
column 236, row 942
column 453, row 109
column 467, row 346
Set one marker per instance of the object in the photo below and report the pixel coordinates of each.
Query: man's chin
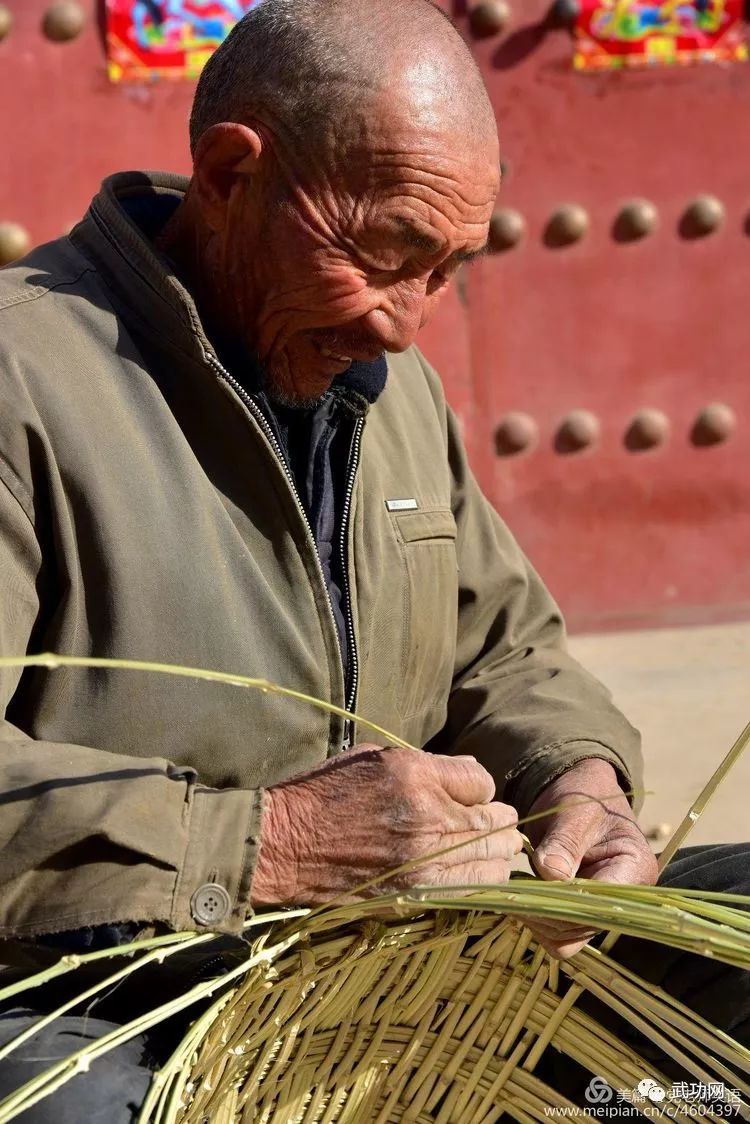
column 302, row 393
column 281, row 397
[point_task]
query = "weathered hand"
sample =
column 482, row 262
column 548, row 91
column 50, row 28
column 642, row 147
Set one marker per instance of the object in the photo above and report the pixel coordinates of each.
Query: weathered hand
column 599, row 840
column 371, row 810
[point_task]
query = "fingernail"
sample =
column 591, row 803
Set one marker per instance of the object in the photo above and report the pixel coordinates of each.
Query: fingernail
column 554, row 860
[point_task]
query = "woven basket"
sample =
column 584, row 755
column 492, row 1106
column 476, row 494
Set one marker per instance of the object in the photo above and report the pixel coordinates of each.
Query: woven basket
column 337, row 1017
column 438, row 1020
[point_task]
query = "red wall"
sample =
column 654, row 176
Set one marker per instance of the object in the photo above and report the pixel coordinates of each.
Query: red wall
column 621, row 535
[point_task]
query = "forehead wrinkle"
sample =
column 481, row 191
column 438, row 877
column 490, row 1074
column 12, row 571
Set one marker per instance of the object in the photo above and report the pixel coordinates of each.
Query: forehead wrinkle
column 430, row 186
column 428, row 163
column 401, row 147
column 443, row 214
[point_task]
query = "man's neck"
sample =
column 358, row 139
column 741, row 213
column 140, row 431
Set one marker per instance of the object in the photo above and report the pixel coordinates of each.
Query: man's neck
column 187, row 244
column 184, row 243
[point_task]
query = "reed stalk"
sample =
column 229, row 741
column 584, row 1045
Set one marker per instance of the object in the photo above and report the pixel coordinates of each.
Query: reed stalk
column 677, row 840
column 332, row 962
column 53, row 662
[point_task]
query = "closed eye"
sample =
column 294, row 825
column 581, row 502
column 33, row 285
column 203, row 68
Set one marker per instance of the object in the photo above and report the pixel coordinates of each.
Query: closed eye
column 438, row 279
column 466, row 256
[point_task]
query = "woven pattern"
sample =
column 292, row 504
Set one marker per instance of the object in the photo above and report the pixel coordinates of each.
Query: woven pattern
column 442, row 1019
column 438, row 1021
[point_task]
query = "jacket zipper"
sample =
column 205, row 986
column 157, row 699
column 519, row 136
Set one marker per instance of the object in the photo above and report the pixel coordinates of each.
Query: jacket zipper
column 259, row 416
column 351, row 475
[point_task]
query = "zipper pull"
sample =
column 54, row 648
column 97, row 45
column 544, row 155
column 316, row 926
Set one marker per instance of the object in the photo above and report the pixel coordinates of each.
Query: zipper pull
column 348, row 735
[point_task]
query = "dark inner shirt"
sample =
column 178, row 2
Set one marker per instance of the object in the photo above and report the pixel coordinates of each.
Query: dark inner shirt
column 316, row 445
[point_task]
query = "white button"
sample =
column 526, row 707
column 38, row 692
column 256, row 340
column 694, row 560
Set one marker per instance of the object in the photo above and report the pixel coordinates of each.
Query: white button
column 210, row 904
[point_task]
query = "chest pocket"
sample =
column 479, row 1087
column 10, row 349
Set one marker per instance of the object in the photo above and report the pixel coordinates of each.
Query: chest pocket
column 428, row 544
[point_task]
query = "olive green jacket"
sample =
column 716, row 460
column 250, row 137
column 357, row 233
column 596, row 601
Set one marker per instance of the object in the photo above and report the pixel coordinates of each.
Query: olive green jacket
column 144, row 514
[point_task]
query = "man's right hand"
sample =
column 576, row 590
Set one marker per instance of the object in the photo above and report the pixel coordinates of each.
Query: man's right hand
column 371, row 810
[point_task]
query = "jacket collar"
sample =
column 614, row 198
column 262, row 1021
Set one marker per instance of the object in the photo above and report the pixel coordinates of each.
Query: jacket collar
column 141, row 281
column 114, row 234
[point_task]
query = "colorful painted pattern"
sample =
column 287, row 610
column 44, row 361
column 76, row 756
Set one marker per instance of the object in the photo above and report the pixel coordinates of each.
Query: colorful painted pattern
column 149, row 39
column 620, row 33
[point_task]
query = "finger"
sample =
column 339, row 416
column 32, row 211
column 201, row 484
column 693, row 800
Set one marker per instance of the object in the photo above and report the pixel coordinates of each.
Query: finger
column 626, row 869
column 557, row 927
column 484, row 817
column 560, row 941
column 465, row 780
column 500, row 846
column 470, row 852
column 563, row 847
column 561, row 933
column 476, row 874
column 562, row 950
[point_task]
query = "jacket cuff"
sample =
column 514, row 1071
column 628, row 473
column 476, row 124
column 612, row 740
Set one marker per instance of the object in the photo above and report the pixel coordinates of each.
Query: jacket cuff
column 526, row 781
column 223, row 839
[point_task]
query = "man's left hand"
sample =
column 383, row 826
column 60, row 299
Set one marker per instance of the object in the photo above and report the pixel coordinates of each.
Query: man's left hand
column 599, row 839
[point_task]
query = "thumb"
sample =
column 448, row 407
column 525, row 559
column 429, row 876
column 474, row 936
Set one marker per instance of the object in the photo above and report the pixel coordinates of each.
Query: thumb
column 558, row 856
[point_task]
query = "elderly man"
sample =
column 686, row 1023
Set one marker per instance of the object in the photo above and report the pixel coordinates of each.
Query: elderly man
column 219, row 448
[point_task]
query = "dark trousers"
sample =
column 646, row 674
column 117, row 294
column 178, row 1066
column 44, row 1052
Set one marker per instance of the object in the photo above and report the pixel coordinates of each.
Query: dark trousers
column 718, row 992
column 117, row 1083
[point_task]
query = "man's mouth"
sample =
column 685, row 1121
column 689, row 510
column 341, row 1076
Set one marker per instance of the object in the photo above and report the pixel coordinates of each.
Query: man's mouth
column 328, row 354
column 346, row 351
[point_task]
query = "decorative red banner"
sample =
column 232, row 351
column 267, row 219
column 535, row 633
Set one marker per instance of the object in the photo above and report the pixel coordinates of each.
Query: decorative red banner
column 625, row 33
column 167, row 38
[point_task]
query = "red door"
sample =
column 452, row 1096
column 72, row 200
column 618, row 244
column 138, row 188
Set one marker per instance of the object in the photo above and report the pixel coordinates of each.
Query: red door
column 631, row 517
column 627, row 479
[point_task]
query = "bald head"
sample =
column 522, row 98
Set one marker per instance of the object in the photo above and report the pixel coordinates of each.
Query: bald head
column 317, row 70
column 345, row 165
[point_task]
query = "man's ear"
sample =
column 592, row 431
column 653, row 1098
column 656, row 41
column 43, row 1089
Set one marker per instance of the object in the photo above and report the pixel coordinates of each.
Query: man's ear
column 225, row 156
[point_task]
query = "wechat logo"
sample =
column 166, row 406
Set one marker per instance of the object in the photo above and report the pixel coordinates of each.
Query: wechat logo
column 651, row 1089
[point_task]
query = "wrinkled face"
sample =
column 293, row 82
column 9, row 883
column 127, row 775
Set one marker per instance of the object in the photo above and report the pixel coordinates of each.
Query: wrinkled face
column 348, row 270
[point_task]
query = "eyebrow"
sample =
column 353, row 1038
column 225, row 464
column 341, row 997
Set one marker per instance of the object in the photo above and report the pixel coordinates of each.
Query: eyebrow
column 464, row 256
column 416, row 238
column 421, row 240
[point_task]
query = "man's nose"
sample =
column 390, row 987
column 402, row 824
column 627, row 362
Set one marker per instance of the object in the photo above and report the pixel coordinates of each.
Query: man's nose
column 397, row 318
